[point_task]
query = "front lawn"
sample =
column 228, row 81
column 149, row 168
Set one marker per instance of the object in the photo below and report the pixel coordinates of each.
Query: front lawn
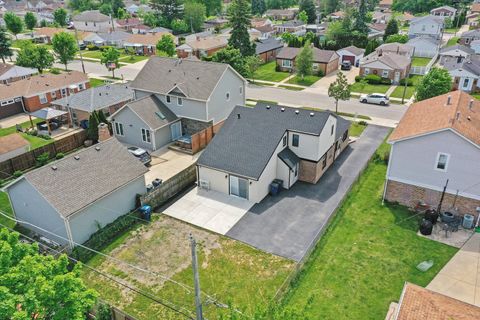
column 369, row 88
column 356, row 129
column 369, row 251
column 94, row 82
column 6, row 209
column 306, row 81
column 452, row 41
column 133, row 59
column 398, row 92
column 232, row 271
column 267, row 72
column 420, row 62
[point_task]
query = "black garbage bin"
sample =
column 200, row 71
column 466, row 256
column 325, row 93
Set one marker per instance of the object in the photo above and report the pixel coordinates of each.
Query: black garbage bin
column 426, row 227
column 431, row 215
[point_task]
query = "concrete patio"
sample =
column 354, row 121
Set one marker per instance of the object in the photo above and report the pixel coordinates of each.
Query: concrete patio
column 460, row 277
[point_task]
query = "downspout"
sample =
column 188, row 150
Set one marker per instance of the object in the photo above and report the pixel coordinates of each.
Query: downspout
column 387, row 175
column 69, row 233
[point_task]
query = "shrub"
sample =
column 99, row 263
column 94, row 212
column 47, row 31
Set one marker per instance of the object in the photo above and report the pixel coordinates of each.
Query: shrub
column 373, row 79
column 362, row 122
column 105, row 48
column 32, row 132
column 17, row 173
column 320, row 73
column 45, row 136
column 43, row 159
column 59, row 155
column 409, row 82
column 104, row 312
column 92, row 47
column 358, row 78
column 277, row 68
column 386, row 81
column 2, row 182
column 55, row 71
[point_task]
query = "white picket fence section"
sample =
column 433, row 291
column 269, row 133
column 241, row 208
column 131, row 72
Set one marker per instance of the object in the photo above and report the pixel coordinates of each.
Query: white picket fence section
column 424, row 69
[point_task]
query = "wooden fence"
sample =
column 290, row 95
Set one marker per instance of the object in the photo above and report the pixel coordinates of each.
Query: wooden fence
column 28, row 159
column 201, row 139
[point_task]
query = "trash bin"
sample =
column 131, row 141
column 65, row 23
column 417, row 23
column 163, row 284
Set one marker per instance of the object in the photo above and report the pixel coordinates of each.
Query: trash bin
column 426, row 227
column 274, row 188
column 431, row 214
column 146, row 211
column 468, row 221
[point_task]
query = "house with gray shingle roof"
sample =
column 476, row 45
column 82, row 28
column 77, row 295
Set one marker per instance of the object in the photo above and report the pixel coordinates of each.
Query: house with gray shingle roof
column 259, row 145
column 93, row 21
column 455, row 54
column 466, row 74
column 76, row 195
column 324, row 61
column 431, row 26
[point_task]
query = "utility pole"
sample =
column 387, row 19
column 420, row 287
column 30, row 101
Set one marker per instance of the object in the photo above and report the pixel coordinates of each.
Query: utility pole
column 79, row 51
column 196, row 279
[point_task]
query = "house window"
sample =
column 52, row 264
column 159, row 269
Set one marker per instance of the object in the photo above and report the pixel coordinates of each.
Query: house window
column 385, row 74
column 286, row 63
column 168, row 99
column 64, row 92
column 241, row 90
column 284, row 140
column 295, row 140
column 324, row 161
column 86, row 23
column 345, row 136
column 467, row 40
column 466, row 82
column 366, row 71
column 333, row 130
column 53, row 94
column 80, row 86
column 118, row 129
column 227, row 96
column 43, row 98
column 442, row 161
column 146, row 135
column 179, row 101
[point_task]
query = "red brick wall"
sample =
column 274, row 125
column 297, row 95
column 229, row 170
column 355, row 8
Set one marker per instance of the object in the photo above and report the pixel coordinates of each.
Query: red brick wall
column 33, row 103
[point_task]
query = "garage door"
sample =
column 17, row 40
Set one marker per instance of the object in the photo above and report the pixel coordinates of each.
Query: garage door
column 349, row 58
column 10, row 109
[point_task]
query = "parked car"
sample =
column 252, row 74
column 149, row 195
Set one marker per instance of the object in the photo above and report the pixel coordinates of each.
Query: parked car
column 82, row 46
column 141, row 154
column 346, row 65
column 375, row 98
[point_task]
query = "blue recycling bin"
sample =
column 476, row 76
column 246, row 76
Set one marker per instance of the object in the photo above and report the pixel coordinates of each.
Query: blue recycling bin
column 146, row 211
column 274, row 188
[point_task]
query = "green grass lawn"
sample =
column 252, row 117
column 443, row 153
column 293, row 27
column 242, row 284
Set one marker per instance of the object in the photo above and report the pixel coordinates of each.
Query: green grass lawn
column 306, row 81
column 452, row 41
column 6, row 208
column 369, row 251
column 267, row 72
column 398, row 92
column 356, row 129
column 94, row 82
column 369, row 88
column 475, row 95
column 133, row 59
column 420, row 62
column 34, row 141
column 451, row 30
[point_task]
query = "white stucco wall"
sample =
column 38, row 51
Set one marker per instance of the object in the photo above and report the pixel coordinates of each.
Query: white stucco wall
column 283, row 173
column 216, row 179
column 327, row 139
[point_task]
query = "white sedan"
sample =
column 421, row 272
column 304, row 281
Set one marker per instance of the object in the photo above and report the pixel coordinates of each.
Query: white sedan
column 375, row 98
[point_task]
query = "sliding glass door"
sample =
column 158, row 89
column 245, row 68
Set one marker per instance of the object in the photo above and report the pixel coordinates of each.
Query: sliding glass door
column 239, row 187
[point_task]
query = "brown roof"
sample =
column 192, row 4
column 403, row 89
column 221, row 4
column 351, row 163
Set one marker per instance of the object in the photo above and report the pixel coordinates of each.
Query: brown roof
column 41, row 83
column 385, row 2
column 12, row 142
column 434, row 114
column 319, row 55
column 49, row 31
column 418, row 303
column 475, row 7
column 147, row 39
column 207, row 43
column 340, row 14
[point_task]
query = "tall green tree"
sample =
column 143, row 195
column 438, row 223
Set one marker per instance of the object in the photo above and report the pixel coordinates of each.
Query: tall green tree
column 65, row 47
column 110, row 59
column 168, row 9
column 339, row 89
column 92, row 130
column 233, row 57
column 239, row 16
column 361, row 18
column 37, row 286
column 400, row 38
column 60, row 17
column 302, row 16
column 213, row 7
column 194, row 15
column 33, row 56
column 309, row 7
column 304, row 61
column 330, row 6
column 14, row 23
column 258, row 7
column 30, row 20
column 251, row 65
column 5, row 45
column 166, row 45
column 437, row 82
column 371, row 46
column 391, row 29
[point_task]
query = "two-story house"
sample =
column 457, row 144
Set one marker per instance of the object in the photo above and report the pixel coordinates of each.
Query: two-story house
column 444, row 11
column 93, row 21
column 436, row 145
column 465, row 74
column 261, row 144
column 192, row 95
column 431, row 26
column 468, row 37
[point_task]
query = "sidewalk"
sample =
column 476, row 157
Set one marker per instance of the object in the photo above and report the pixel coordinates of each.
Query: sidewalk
column 277, row 84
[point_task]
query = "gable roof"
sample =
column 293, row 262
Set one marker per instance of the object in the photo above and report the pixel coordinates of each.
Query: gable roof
column 418, row 303
column 475, row 7
column 245, row 145
column 266, row 45
column 392, row 60
column 150, row 39
column 207, row 43
column 456, row 50
column 426, row 40
column 75, row 184
column 8, row 71
column 471, row 34
column 12, row 142
column 434, row 114
column 428, row 19
column 97, row 98
column 114, row 35
column 49, row 31
column 196, row 79
column 319, row 55
column 291, row 24
column 91, row 16
column 448, row 8
column 395, row 47
column 151, row 110
column 352, row 49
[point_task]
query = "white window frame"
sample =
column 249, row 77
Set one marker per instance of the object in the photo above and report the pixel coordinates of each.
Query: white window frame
column 146, row 136
column 385, row 74
column 168, row 99
column 285, row 65
column 119, row 129
column 438, row 159
column 366, row 71
column 64, row 92
column 43, row 98
column 179, row 101
column 80, row 86
column 53, row 94
column 465, row 83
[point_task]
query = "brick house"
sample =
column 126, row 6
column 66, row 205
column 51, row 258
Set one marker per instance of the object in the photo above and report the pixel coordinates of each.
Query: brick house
column 437, row 139
column 281, row 14
column 39, row 91
column 326, row 61
column 267, row 49
column 146, row 44
column 444, row 11
column 11, row 73
column 201, row 46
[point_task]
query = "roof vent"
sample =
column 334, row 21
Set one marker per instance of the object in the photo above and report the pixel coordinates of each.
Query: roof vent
column 54, row 168
column 97, row 148
column 469, row 118
column 283, row 109
column 268, row 107
column 449, row 100
column 470, row 104
column 297, row 112
column 238, row 115
column 76, row 157
column 312, row 114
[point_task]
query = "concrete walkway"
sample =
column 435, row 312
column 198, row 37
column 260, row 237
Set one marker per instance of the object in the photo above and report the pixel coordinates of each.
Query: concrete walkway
column 460, row 278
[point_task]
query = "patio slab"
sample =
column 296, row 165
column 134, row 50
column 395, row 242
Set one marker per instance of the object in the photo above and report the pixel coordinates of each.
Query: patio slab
column 210, row 210
column 14, row 120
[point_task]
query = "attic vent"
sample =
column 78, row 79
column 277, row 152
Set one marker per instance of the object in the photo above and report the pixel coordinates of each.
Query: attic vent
column 198, row 78
column 54, row 168
column 97, row 148
column 160, row 115
column 297, row 112
column 76, row 157
column 268, row 107
column 449, row 100
column 469, row 118
column 312, row 114
column 283, row 109
column 470, row 104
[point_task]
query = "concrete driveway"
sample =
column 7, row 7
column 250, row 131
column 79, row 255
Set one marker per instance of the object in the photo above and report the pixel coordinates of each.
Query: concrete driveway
column 460, row 277
column 288, row 224
column 210, row 210
column 321, row 86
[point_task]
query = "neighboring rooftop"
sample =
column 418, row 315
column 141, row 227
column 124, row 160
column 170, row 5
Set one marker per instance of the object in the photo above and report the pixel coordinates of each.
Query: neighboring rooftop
column 393, row 60
column 291, row 24
column 457, row 50
column 471, row 33
column 91, row 16
column 249, row 136
column 445, row 8
column 436, row 19
column 265, row 45
column 8, row 71
column 206, row 43
column 455, row 110
column 146, row 39
column 356, row 51
column 396, row 47
column 12, row 142
column 319, row 55
column 97, row 98
column 73, row 183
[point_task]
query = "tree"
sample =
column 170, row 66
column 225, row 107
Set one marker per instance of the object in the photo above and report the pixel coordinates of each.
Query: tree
column 65, row 47
column 302, row 16
column 38, row 286
column 92, row 130
column 416, row 6
column 166, row 45
column 371, row 46
column 30, row 20
column 361, row 18
column 400, row 38
column 392, row 28
column 150, row 19
column 32, row 56
column 233, row 57
column 436, row 82
column 179, row 26
column 251, row 65
column 14, row 23
column 258, row 7
column 213, row 7
column 169, row 9
column 5, row 45
column 304, row 61
column 339, row 89
column 60, row 17
column 194, row 15
column 239, row 16
column 309, row 7
column 330, row 6
column 110, row 59
column 43, row 23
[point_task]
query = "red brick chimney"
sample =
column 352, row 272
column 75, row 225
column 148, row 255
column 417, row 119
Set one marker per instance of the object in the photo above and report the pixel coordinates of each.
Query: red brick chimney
column 103, row 132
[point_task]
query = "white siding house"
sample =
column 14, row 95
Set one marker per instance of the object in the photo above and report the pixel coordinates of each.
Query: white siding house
column 431, row 26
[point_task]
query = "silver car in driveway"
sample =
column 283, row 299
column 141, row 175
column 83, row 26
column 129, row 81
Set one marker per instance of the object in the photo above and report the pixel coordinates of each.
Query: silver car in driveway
column 375, row 98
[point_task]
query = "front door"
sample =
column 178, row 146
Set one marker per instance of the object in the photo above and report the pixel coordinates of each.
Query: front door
column 239, row 187
column 176, row 130
column 397, row 77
